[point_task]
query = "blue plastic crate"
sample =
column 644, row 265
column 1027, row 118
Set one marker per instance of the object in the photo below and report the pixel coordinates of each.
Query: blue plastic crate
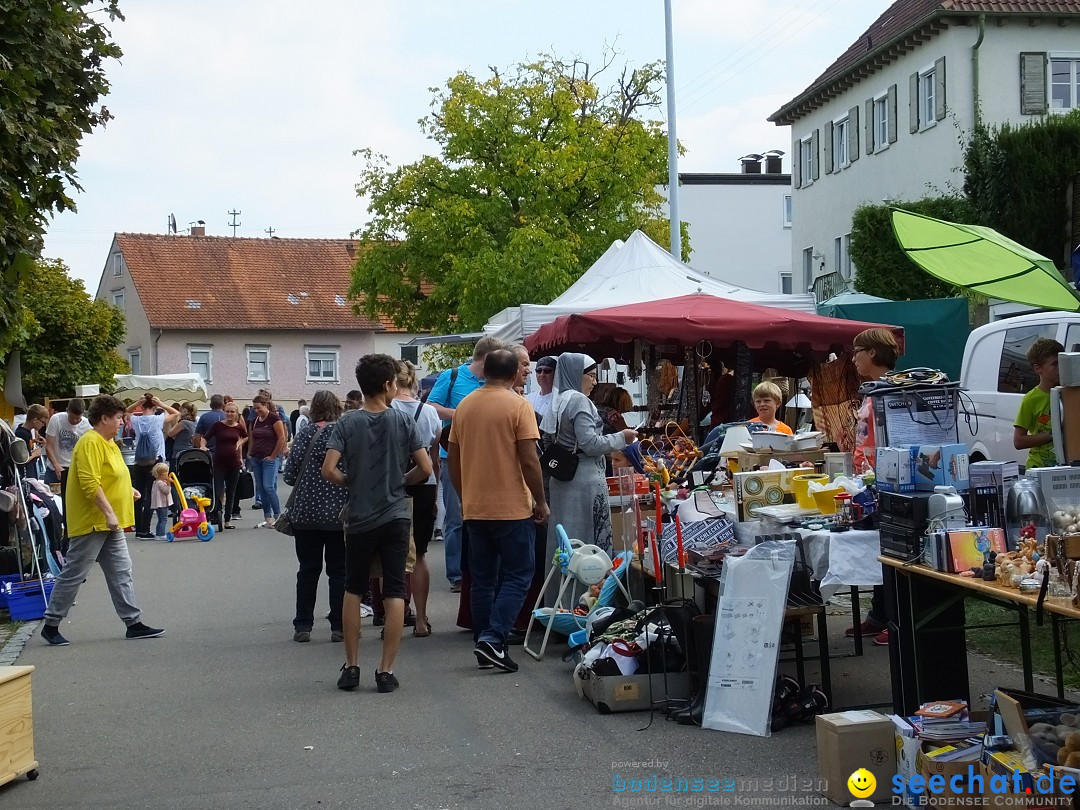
column 25, row 601
column 4, row 579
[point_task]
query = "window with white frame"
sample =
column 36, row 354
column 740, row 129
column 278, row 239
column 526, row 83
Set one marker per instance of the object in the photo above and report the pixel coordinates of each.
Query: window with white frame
column 785, row 283
column 118, row 299
column 840, row 144
column 117, row 265
column 881, row 122
column 787, row 210
column 927, row 97
column 806, row 161
column 200, row 361
column 808, row 268
column 842, row 255
column 258, row 363
column 135, row 360
column 1064, row 82
column 322, row 363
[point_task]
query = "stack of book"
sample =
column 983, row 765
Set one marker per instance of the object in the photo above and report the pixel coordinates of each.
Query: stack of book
column 947, row 721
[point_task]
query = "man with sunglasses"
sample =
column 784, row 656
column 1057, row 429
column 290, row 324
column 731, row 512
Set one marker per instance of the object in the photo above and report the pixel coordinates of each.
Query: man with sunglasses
column 545, row 380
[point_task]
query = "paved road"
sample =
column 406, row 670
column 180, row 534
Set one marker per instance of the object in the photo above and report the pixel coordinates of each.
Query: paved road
column 226, row 711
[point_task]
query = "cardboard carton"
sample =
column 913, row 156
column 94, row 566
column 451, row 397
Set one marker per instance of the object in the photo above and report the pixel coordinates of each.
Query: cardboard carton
column 895, row 468
column 908, row 746
column 847, row 741
column 941, row 465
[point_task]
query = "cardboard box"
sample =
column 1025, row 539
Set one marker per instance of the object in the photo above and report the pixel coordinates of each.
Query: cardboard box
column 908, row 747
column 631, row 693
column 847, row 741
column 751, row 460
column 1000, row 474
column 946, row 799
column 942, row 465
column 915, row 416
column 1066, row 424
column 895, row 468
column 765, row 488
column 1060, row 487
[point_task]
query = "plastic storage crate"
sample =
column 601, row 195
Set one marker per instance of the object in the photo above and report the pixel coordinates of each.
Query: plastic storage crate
column 4, row 580
column 24, row 600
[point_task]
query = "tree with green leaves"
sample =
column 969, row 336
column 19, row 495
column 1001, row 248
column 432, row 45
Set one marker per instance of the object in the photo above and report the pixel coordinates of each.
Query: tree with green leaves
column 73, row 337
column 1019, row 178
column 882, row 267
column 52, row 78
column 539, row 170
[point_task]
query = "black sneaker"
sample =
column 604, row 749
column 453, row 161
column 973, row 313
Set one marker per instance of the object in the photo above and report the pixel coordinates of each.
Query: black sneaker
column 140, row 630
column 350, row 678
column 52, row 635
column 302, row 636
column 483, row 663
column 378, row 620
column 496, row 656
column 386, row 681
column 437, row 537
column 410, row 619
column 143, row 536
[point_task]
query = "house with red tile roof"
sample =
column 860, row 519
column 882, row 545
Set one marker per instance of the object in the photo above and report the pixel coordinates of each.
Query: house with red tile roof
column 244, row 313
column 887, row 119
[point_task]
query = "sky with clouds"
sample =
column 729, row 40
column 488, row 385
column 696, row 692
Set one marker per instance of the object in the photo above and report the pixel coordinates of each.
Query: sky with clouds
column 258, row 105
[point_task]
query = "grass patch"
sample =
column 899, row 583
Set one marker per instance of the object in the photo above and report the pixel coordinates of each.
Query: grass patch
column 1003, row 643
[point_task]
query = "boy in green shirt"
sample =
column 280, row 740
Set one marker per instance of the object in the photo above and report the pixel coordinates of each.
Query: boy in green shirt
column 1031, row 430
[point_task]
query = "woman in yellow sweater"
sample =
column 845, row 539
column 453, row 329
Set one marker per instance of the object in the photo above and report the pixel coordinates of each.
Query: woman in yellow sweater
column 99, row 503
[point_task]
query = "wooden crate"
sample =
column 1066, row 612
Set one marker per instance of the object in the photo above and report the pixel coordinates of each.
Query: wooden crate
column 16, row 725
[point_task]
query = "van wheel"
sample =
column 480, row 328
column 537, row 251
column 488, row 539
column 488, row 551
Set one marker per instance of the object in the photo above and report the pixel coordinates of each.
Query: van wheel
column 977, row 457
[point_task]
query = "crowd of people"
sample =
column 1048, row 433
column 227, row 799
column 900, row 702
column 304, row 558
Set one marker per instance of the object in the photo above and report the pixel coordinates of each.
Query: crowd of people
column 366, row 478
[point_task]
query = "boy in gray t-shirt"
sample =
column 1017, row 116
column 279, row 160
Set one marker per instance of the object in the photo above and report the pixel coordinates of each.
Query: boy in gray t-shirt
column 376, row 446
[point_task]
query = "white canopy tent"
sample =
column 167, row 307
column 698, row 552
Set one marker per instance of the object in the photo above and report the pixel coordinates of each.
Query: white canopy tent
column 632, row 272
column 166, row 387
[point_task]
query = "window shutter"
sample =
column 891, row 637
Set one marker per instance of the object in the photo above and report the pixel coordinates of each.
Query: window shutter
column 1033, row 84
column 828, row 156
column 815, row 155
column 939, row 89
column 892, row 113
column 853, row 134
column 796, row 164
column 868, row 125
column 913, row 103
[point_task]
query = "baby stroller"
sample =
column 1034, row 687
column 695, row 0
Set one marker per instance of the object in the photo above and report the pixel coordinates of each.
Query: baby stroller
column 195, row 471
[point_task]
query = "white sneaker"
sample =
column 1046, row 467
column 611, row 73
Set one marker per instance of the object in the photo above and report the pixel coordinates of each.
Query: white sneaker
column 366, row 610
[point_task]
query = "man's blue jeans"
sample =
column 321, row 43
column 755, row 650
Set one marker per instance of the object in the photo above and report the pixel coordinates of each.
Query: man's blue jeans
column 265, row 471
column 451, row 530
column 501, row 561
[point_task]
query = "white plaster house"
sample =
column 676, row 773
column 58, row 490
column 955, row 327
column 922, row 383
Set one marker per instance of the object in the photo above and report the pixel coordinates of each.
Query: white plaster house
column 244, row 313
column 887, row 119
column 740, row 224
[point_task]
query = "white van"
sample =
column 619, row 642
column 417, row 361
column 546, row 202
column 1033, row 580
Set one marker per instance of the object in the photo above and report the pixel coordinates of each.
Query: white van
column 996, row 374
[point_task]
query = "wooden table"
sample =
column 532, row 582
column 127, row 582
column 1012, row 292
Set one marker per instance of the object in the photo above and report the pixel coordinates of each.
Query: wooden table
column 928, row 630
column 16, row 725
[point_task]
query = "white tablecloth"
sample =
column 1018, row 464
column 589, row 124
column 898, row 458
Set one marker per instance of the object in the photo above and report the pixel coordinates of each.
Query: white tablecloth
column 842, row 559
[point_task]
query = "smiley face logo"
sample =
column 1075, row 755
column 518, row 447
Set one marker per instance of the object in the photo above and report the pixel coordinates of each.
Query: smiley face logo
column 861, row 783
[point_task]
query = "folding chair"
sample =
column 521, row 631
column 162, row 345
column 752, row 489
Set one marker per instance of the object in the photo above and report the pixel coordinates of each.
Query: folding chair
column 576, row 563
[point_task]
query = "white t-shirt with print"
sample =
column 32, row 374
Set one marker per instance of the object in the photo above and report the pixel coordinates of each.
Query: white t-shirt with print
column 66, row 435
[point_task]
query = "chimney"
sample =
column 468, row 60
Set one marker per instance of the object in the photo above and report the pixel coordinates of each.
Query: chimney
column 198, row 230
column 751, row 164
column 774, row 162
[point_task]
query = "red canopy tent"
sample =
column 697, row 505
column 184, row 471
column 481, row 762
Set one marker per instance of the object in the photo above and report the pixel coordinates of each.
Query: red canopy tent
column 779, row 338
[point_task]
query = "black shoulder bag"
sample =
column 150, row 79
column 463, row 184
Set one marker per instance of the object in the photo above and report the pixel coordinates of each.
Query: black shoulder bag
column 557, row 461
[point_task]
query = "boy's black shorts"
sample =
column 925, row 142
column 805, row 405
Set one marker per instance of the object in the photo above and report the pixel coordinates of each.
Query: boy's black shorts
column 390, row 542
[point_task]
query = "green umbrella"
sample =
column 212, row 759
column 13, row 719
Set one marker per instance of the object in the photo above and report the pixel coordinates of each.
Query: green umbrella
column 983, row 260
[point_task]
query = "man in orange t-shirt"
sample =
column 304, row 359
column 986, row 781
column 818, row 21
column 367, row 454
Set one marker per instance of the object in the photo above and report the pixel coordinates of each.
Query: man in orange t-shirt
column 494, row 465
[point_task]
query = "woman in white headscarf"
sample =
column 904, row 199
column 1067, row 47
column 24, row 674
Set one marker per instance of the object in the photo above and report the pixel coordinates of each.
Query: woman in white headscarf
column 581, row 505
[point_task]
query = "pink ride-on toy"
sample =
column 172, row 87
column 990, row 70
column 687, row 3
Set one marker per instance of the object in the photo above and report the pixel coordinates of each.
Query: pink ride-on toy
column 193, row 522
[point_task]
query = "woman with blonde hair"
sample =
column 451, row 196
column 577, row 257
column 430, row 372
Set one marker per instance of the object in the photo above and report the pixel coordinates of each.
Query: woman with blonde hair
column 182, row 431
column 424, row 503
